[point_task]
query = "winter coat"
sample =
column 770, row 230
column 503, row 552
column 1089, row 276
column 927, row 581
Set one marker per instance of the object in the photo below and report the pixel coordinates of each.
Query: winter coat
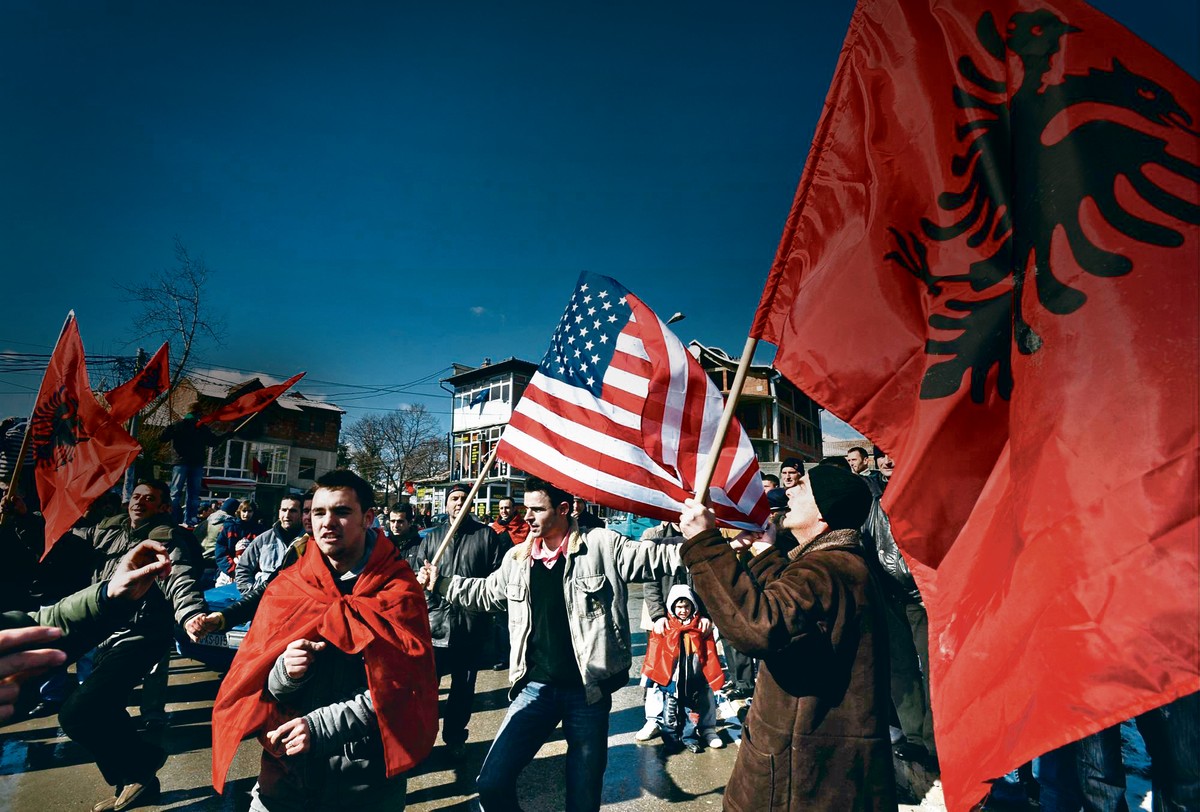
column 817, row 734
column 661, row 664
column 225, row 551
column 598, row 566
column 262, row 557
column 517, row 528
column 475, row 552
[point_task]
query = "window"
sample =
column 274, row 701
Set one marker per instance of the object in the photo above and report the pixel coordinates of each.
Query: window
column 470, row 450
column 308, row 468
column 272, row 463
column 228, row 460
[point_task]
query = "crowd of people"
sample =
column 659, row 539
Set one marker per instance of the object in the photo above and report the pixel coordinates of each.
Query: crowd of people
column 814, row 626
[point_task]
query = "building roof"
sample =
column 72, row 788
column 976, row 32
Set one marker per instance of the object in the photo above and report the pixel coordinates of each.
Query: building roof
column 464, row 375
column 718, row 356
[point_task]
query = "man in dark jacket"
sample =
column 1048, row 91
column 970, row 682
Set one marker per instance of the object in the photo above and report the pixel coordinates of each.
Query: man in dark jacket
column 402, row 530
column 461, row 637
column 908, row 625
column 189, row 440
column 94, row 716
column 816, row 737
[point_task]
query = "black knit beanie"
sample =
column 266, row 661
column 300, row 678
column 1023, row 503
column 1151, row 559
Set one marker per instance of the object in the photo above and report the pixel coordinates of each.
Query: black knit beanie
column 843, row 497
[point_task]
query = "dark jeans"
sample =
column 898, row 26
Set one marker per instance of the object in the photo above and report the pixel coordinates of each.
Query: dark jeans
column 908, row 648
column 531, row 719
column 94, row 715
column 1172, row 737
column 741, row 668
column 458, row 664
column 185, row 493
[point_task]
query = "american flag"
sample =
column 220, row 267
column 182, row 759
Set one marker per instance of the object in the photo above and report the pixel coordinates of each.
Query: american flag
column 619, row 413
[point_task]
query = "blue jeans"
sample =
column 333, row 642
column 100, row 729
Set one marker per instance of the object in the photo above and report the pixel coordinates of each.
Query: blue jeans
column 531, row 719
column 185, row 493
column 1057, row 775
column 1172, row 737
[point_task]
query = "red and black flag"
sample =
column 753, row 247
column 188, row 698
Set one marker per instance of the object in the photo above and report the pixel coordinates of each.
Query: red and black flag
column 151, row 381
column 79, row 450
column 251, row 402
column 1006, row 195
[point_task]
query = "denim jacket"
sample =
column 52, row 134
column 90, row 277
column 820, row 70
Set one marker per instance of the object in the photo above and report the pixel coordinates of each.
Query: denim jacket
column 599, row 565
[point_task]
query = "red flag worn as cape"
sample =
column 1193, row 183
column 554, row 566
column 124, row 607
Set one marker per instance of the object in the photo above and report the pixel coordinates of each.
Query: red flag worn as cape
column 128, row 399
column 79, row 451
column 384, row 618
column 1004, row 194
column 251, row 402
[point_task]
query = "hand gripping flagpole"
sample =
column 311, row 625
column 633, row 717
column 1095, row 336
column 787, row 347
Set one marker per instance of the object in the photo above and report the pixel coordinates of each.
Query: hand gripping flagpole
column 462, row 514
column 735, row 392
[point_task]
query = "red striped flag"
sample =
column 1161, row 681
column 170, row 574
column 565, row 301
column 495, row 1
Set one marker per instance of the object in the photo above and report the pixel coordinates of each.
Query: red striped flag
column 619, row 413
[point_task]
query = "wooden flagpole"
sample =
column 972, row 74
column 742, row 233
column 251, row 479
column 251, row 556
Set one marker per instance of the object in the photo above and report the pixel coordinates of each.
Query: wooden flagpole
column 735, row 392
column 462, row 514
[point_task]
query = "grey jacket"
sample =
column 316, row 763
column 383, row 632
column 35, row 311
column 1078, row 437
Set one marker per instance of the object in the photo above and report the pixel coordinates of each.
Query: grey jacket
column 599, row 564
column 262, row 557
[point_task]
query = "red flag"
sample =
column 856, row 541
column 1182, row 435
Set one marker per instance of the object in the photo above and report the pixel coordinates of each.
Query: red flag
column 1046, row 433
column 251, row 402
column 128, row 399
column 410, row 488
column 620, row 414
column 78, row 449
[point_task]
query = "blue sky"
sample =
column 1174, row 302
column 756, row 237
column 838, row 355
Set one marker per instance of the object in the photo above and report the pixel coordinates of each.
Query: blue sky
column 381, row 189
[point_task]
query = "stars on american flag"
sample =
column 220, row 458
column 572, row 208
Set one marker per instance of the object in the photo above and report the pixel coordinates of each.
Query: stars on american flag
column 583, row 345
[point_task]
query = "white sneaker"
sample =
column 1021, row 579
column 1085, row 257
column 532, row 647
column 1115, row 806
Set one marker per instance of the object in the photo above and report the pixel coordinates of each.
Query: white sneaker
column 648, row 732
column 714, row 741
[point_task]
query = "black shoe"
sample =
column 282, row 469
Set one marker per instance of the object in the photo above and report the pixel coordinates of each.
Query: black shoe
column 911, row 751
column 138, row 794
column 671, row 745
column 456, row 751
column 693, row 747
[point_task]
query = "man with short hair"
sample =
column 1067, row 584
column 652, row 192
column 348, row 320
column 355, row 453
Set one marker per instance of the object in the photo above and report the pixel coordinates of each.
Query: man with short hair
column 817, row 733
column 265, row 553
column 342, row 645
column 790, row 472
column 509, row 521
column 770, row 482
column 566, row 593
column 461, row 637
column 857, row 457
column 402, row 530
column 94, row 716
column 189, row 441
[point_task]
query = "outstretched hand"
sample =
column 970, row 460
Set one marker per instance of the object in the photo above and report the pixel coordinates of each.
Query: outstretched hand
column 199, row 625
column 137, row 570
column 26, row 661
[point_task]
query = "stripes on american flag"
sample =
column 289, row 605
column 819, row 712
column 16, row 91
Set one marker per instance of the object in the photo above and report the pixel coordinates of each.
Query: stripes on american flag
column 620, row 413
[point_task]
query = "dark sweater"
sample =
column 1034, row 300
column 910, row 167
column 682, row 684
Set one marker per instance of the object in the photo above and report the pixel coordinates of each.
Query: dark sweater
column 551, row 657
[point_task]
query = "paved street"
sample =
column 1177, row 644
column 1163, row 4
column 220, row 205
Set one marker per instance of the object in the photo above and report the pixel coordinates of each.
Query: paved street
column 42, row 770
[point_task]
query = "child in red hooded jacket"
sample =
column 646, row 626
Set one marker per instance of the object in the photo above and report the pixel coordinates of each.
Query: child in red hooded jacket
column 681, row 670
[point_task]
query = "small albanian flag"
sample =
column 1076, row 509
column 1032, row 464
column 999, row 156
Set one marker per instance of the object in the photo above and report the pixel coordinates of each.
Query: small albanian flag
column 151, row 381
column 251, row 402
column 79, row 450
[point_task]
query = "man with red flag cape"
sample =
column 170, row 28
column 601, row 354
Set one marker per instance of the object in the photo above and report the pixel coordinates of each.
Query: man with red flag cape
column 341, row 645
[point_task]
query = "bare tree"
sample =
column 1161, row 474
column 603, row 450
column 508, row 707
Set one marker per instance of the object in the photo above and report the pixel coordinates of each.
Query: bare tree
column 176, row 308
column 390, row 448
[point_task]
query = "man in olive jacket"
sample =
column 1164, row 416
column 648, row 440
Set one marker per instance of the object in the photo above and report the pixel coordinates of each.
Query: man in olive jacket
column 817, row 734
column 94, row 716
